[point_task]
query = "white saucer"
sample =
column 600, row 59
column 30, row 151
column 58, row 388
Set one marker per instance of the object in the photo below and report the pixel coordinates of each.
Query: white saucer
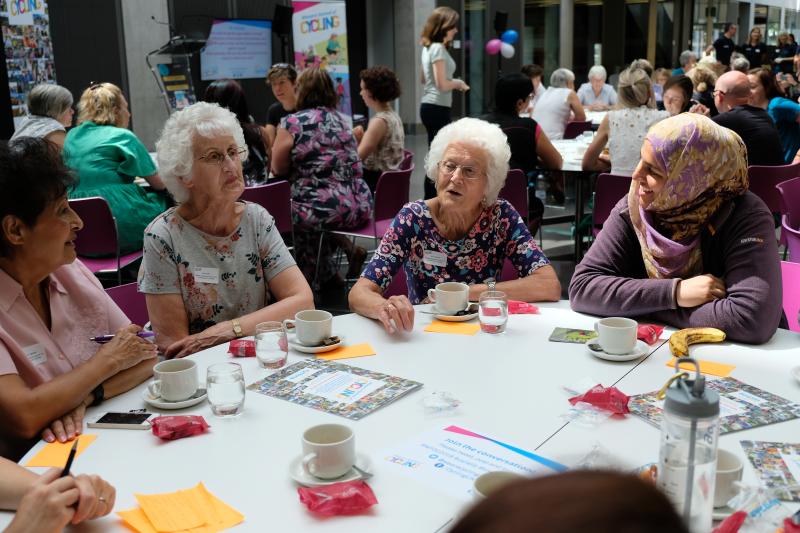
column 453, row 318
column 159, row 403
column 298, row 473
column 314, row 349
column 641, row 350
column 721, row 513
column 796, row 373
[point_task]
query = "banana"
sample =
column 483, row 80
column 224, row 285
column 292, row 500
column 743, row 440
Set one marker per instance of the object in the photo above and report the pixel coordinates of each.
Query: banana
column 680, row 340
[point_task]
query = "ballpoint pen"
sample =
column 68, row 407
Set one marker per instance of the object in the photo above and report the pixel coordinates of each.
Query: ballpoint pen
column 65, row 472
column 102, row 339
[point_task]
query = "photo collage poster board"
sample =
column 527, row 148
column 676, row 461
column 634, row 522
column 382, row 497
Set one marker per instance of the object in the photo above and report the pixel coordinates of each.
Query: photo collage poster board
column 29, row 50
column 320, row 40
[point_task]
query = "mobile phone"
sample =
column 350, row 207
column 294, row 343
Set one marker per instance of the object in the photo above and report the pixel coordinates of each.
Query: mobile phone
column 122, row 421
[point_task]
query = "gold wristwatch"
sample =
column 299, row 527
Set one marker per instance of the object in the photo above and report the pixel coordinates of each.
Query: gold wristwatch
column 237, row 328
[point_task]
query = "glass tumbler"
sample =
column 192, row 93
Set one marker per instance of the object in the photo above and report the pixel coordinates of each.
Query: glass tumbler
column 493, row 311
column 225, row 383
column 272, row 348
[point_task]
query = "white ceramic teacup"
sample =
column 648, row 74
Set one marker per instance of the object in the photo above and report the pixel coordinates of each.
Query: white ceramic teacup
column 311, row 326
column 729, row 471
column 450, row 297
column 329, row 450
column 175, row 380
column 616, row 335
column 490, row 482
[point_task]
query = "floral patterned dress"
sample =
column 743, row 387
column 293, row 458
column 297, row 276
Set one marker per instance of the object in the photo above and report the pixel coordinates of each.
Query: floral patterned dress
column 414, row 242
column 328, row 191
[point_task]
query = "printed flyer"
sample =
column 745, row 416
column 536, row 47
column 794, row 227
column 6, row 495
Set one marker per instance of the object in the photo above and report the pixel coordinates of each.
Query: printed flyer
column 335, row 388
column 449, row 459
column 777, row 464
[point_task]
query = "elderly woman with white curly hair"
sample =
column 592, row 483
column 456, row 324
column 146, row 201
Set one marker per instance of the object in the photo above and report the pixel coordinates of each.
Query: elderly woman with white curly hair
column 213, row 266
column 463, row 234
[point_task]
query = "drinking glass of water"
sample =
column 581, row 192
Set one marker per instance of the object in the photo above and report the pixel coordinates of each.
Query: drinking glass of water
column 272, row 348
column 225, row 383
column 493, row 311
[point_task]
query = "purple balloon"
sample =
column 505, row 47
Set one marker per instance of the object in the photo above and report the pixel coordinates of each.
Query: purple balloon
column 493, row 47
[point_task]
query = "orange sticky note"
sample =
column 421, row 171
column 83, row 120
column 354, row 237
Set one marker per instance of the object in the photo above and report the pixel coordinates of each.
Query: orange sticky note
column 706, row 367
column 173, row 511
column 454, row 328
column 56, row 453
column 136, row 519
column 222, row 515
column 346, row 352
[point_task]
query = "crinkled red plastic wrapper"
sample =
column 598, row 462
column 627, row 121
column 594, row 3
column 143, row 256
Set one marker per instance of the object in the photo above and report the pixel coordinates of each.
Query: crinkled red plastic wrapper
column 178, row 427
column 522, row 308
column 609, row 399
column 242, row 348
column 649, row 333
column 348, row 497
column 732, row 523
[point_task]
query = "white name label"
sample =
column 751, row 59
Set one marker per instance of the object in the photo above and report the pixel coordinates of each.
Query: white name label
column 206, row 275
column 35, row 354
column 432, row 257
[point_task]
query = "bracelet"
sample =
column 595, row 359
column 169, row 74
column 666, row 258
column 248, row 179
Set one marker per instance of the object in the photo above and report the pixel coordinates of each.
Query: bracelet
column 98, row 395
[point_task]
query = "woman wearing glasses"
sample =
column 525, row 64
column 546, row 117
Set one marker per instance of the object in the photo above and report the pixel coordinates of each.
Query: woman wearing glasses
column 213, row 266
column 463, row 234
column 107, row 157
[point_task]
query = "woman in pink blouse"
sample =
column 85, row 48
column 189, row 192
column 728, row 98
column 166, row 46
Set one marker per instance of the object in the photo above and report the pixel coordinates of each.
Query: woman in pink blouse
column 50, row 306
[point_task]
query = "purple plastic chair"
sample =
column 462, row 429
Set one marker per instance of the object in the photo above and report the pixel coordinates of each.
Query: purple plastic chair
column 608, row 190
column 99, row 237
column 764, row 180
column 790, row 201
column 575, row 128
column 515, row 191
column 398, row 286
column 408, row 160
column 277, row 199
column 131, row 301
column 792, row 236
column 790, row 272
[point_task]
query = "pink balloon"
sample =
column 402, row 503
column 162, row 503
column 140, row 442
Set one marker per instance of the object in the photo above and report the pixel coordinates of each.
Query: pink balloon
column 493, row 47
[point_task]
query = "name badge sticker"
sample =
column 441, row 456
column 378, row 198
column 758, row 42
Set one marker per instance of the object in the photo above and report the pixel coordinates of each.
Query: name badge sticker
column 35, row 354
column 206, row 275
column 432, row 257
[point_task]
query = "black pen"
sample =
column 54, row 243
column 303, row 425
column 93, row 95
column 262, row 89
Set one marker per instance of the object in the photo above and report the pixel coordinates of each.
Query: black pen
column 65, row 472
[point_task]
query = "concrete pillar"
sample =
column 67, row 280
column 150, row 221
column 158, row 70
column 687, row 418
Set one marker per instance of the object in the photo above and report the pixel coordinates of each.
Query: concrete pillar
column 409, row 18
column 143, row 35
column 566, row 28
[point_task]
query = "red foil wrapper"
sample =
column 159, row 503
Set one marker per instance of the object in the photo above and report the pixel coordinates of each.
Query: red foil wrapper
column 242, row 348
column 348, row 497
column 732, row 523
column 178, row 427
column 649, row 333
column 521, row 308
column 610, row 399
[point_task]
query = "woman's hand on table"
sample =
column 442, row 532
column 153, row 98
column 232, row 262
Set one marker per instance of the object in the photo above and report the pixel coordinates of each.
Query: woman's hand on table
column 699, row 290
column 48, row 505
column 396, row 312
column 66, row 427
column 216, row 334
column 126, row 349
column 96, row 498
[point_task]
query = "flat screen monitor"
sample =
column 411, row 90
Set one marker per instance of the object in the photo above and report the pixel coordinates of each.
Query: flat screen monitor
column 237, row 49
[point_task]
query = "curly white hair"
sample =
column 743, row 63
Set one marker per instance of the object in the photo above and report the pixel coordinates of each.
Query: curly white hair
column 175, row 154
column 481, row 134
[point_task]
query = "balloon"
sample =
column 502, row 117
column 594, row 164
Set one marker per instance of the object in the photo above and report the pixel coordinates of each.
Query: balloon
column 507, row 50
column 510, row 36
column 493, row 46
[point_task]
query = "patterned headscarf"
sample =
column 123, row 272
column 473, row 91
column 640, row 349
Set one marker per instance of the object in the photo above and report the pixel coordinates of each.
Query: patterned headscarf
column 705, row 166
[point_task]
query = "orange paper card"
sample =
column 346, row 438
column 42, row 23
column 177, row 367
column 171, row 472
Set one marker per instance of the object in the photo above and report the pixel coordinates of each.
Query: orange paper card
column 454, row 328
column 55, row 453
column 347, row 352
column 706, row 367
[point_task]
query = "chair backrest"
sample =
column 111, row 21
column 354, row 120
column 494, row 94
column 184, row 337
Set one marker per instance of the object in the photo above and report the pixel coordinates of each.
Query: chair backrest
column 790, row 201
column 792, row 236
column 509, row 272
column 275, row 198
column 515, row 191
column 131, row 301
column 608, row 191
column 99, row 233
column 398, row 286
column 763, row 181
column 575, row 128
column 790, row 272
column 391, row 192
column 408, row 160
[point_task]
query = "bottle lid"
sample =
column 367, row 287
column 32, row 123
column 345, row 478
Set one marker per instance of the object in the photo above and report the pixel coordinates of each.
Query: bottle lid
column 690, row 397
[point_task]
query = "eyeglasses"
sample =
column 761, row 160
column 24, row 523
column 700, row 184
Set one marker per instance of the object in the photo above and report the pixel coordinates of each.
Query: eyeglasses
column 448, row 168
column 718, row 92
column 95, row 85
column 217, row 158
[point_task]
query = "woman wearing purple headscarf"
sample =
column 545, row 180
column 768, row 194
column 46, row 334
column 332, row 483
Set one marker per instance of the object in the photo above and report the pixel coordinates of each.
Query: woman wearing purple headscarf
column 689, row 245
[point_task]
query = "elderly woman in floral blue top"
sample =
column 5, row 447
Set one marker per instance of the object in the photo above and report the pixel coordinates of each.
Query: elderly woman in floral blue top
column 463, row 234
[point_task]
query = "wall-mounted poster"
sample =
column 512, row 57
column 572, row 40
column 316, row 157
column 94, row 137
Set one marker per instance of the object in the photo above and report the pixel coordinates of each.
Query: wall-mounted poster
column 320, row 40
column 29, row 50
